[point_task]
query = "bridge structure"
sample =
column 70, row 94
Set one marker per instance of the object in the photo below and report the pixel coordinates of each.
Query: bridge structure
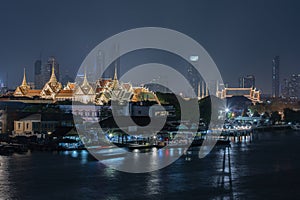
column 251, row 93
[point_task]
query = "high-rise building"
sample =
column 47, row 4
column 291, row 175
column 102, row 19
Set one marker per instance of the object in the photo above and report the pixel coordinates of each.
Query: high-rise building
column 285, row 88
column 275, row 77
column 247, row 81
column 3, row 87
column 99, row 67
column 295, row 86
column 193, row 78
column 291, row 87
column 101, row 58
column 38, row 82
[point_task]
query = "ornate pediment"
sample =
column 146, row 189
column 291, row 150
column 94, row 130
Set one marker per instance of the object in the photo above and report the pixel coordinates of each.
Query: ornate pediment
column 52, row 87
column 23, row 89
column 79, row 91
column 18, row 92
column 91, row 92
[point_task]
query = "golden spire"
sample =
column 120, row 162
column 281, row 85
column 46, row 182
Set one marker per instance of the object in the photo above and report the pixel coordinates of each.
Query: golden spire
column 53, row 77
column 85, row 82
column 24, row 82
column 206, row 92
column 115, row 81
column 115, row 76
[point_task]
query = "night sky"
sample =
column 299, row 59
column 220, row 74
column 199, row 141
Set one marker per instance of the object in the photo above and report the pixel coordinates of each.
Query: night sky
column 241, row 36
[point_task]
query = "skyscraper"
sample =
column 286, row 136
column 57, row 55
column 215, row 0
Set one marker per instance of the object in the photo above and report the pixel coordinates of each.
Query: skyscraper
column 99, row 70
column 193, row 76
column 275, row 77
column 291, row 87
column 295, row 86
column 38, row 82
column 101, row 59
column 247, row 81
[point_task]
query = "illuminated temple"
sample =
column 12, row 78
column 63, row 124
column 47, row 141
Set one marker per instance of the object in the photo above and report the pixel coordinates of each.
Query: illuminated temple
column 100, row 93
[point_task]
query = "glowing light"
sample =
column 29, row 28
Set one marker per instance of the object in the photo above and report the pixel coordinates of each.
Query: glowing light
column 194, row 58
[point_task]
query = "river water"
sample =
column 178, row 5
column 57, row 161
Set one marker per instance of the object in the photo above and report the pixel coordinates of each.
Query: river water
column 265, row 167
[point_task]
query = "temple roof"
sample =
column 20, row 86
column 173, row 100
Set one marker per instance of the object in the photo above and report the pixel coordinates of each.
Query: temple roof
column 24, row 82
column 85, row 86
column 65, row 93
column 53, row 78
column 34, row 92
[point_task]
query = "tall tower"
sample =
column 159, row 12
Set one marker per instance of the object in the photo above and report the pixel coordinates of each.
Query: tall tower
column 247, row 81
column 99, row 67
column 100, row 62
column 275, row 77
column 38, row 74
column 193, row 78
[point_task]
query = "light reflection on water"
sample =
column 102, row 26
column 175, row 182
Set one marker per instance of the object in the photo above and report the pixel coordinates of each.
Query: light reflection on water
column 153, row 182
column 5, row 184
column 268, row 160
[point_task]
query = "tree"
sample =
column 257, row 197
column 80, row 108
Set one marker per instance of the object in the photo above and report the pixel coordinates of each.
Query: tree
column 275, row 117
column 266, row 115
column 256, row 114
column 245, row 113
column 291, row 115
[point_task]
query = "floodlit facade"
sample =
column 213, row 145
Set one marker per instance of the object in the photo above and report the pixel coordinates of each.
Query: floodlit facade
column 101, row 93
column 250, row 93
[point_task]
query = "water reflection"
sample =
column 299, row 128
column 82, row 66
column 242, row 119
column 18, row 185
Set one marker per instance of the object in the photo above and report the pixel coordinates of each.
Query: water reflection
column 153, row 183
column 225, row 178
column 226, row 173
column 5, row 184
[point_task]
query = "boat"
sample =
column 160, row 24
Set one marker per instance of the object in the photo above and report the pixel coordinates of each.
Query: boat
column 139, row 146
column 296, row 127
column 220, row 141
column 159, row 145
column 225, row 142
column 9, row 149
column 6, row 150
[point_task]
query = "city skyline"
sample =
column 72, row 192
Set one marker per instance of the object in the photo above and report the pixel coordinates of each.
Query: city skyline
column 228, row 35
column 42, row 72
column 116, row 99
column 276, row 77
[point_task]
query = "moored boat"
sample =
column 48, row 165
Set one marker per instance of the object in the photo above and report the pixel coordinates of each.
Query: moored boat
column 296, row 127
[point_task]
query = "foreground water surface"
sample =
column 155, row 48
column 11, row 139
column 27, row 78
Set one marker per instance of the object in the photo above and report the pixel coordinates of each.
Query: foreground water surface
column 266, row 167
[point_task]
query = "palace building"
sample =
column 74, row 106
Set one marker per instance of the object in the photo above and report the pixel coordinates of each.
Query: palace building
column 84, row 93
column 52, row 90
column 100, row 93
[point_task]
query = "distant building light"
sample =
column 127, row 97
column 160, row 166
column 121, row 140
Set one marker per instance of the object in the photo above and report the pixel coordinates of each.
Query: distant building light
column 194, row 58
